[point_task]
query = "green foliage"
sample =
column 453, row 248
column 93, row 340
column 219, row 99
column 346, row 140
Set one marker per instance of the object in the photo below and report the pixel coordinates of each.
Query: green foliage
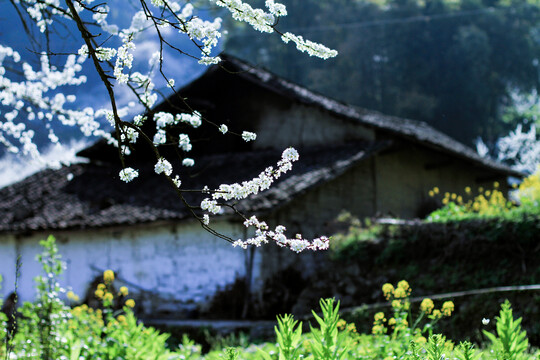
column 289, row 336
column 86, row 333
column 327, row 344
column 511, row 342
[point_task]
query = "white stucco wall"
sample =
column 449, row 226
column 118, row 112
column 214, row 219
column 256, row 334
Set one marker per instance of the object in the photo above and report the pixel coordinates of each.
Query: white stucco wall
column 182, row 263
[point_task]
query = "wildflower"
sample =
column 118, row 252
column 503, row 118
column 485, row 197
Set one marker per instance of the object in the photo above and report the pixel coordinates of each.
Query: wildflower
column 223, row 128
column 421, row 340
column 379, row 316
column 396, row 304
column 447, row 308
column 427, row 305
column 108, row 296
column 130, row 303
column 124, row 291
column 99, row 293
column 101, row 286
column 108, row 276
column 436, row 190
column 72, row 296
column 391, row 322
column 400, row 293
column 431, row 193
column 377, row 329
column 121, row 319
column 437, row 314
column 403, row 284
column 485, row 321
column 388, row 290
column 468, row 189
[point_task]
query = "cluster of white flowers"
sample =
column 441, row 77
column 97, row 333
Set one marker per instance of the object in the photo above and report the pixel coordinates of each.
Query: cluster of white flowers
column 257, row 18
column 188, row 162
column 249, row 136
column 163, row 166
column 183, row 142
column 260, row 183
column 263, row 235
column 128, row 174
column 223, row 128
column 310, row 47
column 36, row 97
column 521, row 148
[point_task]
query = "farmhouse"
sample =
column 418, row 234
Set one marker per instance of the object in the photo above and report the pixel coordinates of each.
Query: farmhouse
column 351, row 159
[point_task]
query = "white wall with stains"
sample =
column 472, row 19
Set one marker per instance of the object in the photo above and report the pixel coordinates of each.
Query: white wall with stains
column 182, row 263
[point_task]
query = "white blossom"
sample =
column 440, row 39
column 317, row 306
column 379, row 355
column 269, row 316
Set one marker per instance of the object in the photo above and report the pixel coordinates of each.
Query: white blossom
column 188, row 162
column 223, row 128
column 248, row 136
column 128, row 174
column 163, row 166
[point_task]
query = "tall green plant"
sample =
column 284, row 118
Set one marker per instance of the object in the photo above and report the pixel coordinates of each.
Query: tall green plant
column 327, row 343
column 511, row 341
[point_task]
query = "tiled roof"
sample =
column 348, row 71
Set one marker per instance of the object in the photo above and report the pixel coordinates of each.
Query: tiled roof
column 416, row 131
column 90, row 195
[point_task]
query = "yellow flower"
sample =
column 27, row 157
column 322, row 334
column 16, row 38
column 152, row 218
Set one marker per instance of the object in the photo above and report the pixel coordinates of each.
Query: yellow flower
column 437, row 314
column 445, row 201
column 427, row 305
column 388, row 290
column 377, row 329
column 101, row 286
column 436, row 190
column 121, row 319
column 341, row 324
column 404, row 285
column 72, row 296
column 453, row 196
column 459, row 199
column 108, row 297
column 496, row 184
column 99, row 293
column 400, row 293
column 468, row 189
column 431, row 193
column 421, row 340
column 124, row 291
column 130, row 303
column 406, row 305
column 379, row 316
column 447, row 308
column 396, row 304
column 392, row 322
column 108, row 276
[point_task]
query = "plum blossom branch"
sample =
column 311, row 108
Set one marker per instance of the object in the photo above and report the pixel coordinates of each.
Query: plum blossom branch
column 112, row 55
